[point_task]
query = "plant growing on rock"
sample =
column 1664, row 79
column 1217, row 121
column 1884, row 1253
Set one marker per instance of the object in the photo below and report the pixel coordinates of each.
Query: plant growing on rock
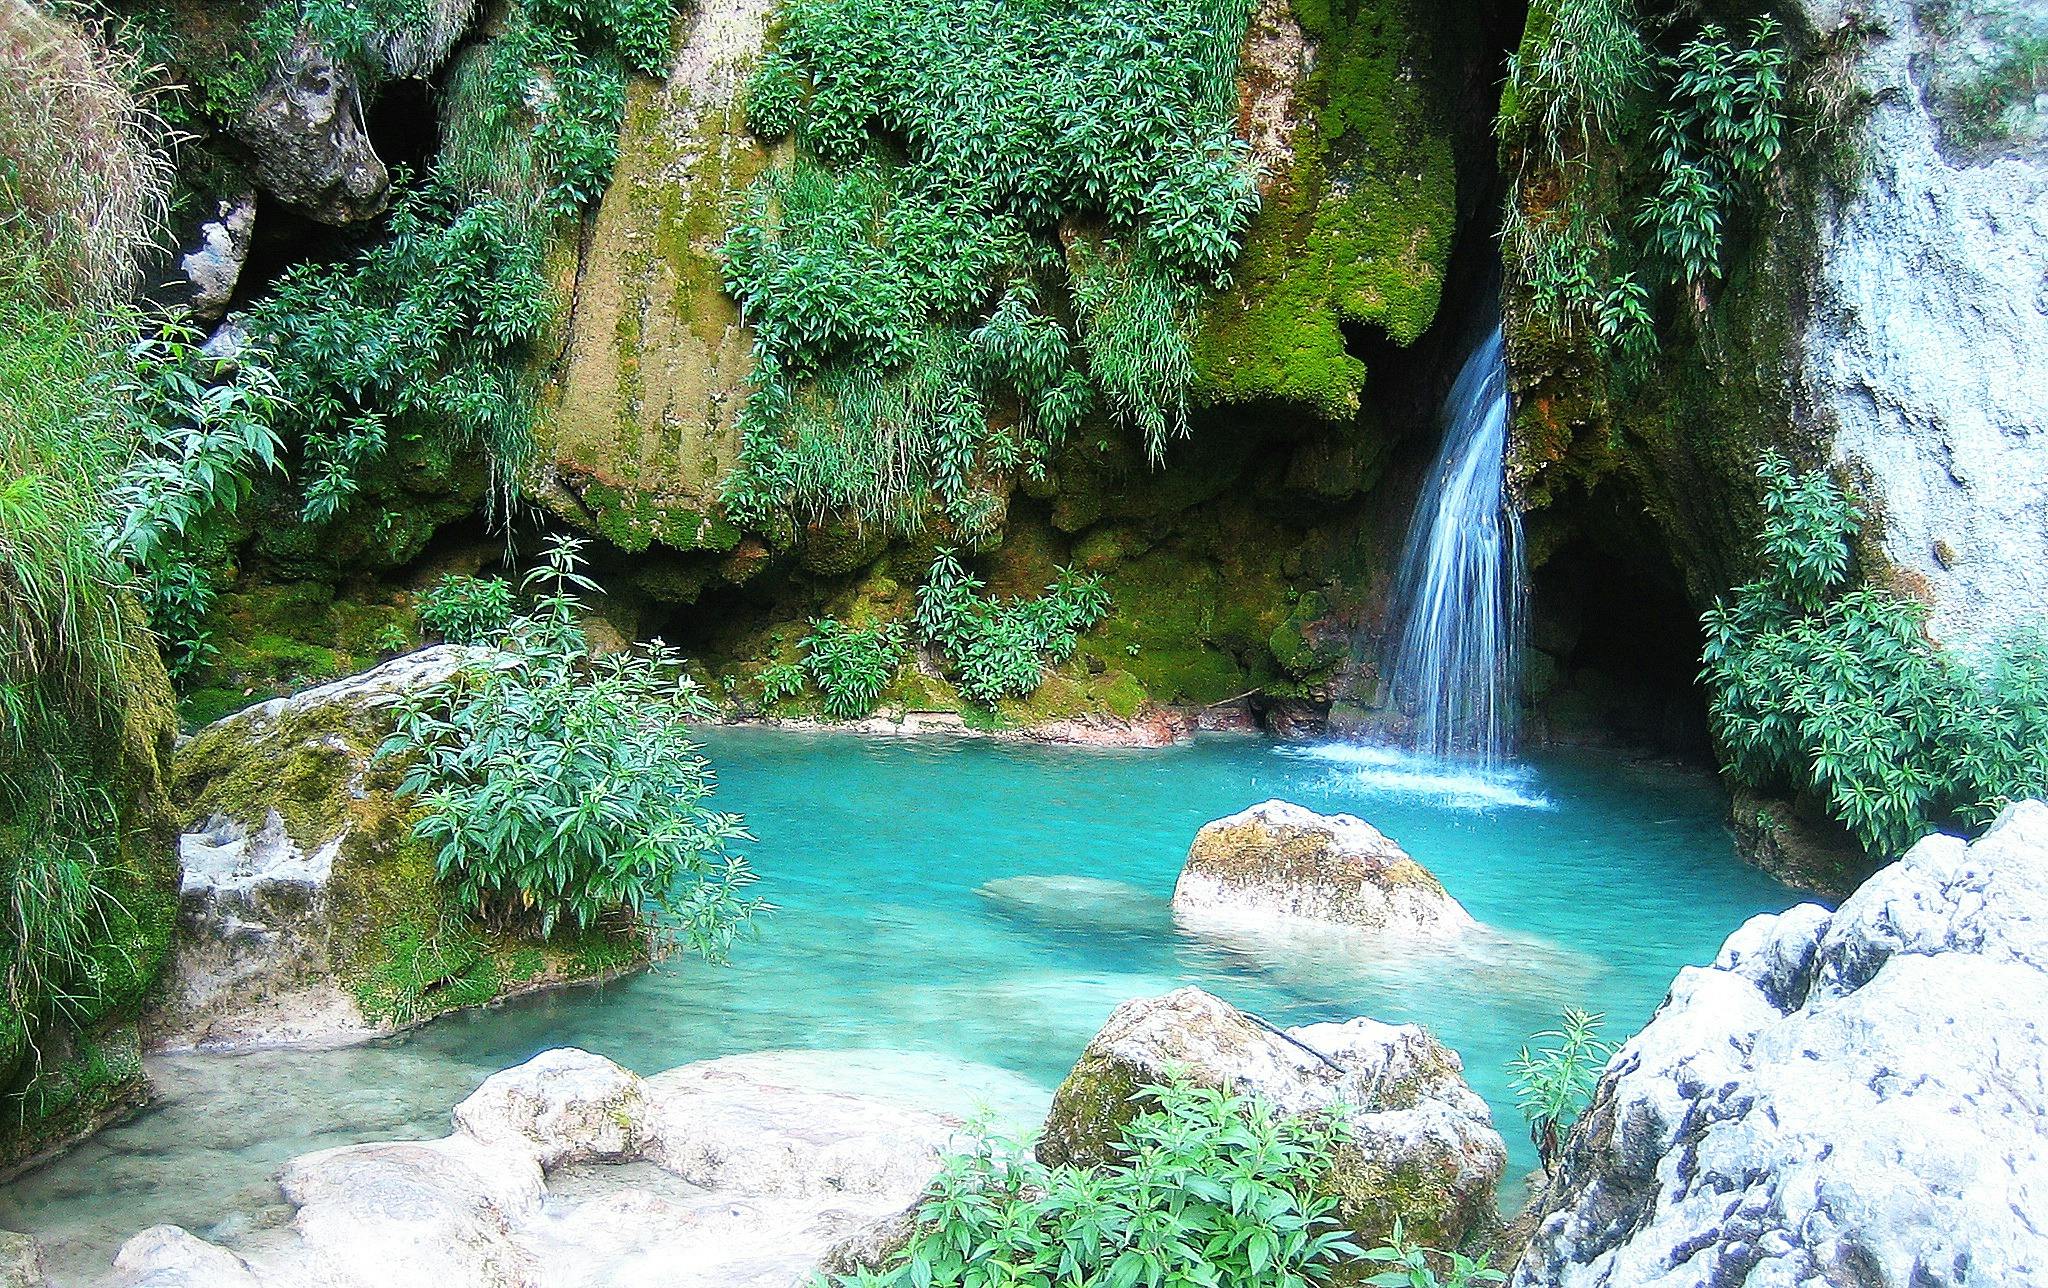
column 851, row 665
column 1414, row 1266
column 467, row 610
column 564, row 790
column 1819, row 685
column 1554, row 1085
column 1000, row 648
column 1218, row 1189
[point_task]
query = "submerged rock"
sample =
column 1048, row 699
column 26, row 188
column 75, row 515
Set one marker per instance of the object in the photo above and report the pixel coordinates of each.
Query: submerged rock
column 21, row 1261
column 1856, row 1098
column 308, row 143
column 309, row 912
column 1277, row 859
column 1066, row 901
column 570, row 1170
column 1422, row 1148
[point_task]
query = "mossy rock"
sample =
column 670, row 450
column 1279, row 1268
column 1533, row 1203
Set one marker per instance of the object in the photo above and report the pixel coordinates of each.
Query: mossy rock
column 296, row 826
column 61, row 1079
column 1439, row 1182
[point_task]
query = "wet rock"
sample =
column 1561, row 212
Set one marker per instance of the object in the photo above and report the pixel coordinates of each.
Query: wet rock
column 1858, row 1097
column 1090, row 903
column 21, row 1261
column 1279, row 860
column 309, row 146
column 309, row 913
column 419, row 47
column 214, row 266
column 1423, row 1147
column 1803, row 848
column 571, row 1170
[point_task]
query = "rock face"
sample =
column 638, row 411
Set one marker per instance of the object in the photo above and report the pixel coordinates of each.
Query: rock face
column 1929, row 319
column 1856, row 1098
column 570, row 1170
column 21, row 1261
column 654, row 363
column 309, row 146
column 214, row 266
column 1423, row 1146
column 1277, row 859
column 308, row 912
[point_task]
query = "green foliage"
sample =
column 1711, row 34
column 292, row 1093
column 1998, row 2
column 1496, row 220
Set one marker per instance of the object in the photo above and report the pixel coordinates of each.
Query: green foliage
column 1988, row 107
column 206, row 434
column 1818, row 685
column 1000, row 648
column 1597, row 118
column 1554, row 1086
column 563, row 789
column 851, row 665
column 1218, row 1190
column 1413, row 1266
column 781, row 682
column 467, row 610
column 1721, row 130
column 895, row 299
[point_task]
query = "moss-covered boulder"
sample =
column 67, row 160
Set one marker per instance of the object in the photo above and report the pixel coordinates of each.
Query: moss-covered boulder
column 1279, row 860
column 1421, row 1146
column 310, row 912
column 639, row 425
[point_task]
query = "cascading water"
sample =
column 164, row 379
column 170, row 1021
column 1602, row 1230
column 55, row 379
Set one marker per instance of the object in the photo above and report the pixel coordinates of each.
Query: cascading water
column 1462, row 596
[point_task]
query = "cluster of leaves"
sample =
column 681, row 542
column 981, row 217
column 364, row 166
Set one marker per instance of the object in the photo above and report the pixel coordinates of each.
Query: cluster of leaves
column 1590, row 101
column 205, row 429
column 1217, row 1190
column 903, row 352
column 467, row 610
column 563, row 789
column 849, row 664
column 1820, row 685
column 1414, row 1266
column 1000, row 648
column 1555, row 1084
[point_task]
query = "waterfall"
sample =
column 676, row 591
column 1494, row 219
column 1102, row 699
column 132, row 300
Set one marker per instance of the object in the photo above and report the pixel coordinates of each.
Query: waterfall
column 1462, row 598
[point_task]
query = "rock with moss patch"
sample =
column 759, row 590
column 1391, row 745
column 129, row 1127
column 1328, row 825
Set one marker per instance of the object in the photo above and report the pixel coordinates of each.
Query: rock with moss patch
column 310, row 912
column 1279, row 860
column 1421, row 1146
column 570, row 1169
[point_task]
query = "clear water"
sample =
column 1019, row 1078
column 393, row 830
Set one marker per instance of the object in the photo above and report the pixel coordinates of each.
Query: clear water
column 892, row 953
column 1461, row 602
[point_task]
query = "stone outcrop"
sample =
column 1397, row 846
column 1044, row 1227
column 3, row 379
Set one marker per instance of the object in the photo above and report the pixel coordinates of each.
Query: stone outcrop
column 654, row 363
column 1928, row 319
column 1279, row 860
column 21, row 1261
column 214, row 265
column 1849, row 1098
column 1422, row 1146
column 307, row 141
column 571, row 1170
column 309, row 912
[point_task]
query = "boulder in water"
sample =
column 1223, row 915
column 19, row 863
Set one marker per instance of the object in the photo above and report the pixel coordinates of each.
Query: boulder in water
column 1280, row 860
column 21, row 1261
column 1090, row 903
column 570, row 1169
column 1422, row 1145
column 1850, row 1098
column 309, row 911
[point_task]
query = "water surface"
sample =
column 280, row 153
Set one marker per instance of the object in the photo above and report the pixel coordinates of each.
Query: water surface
column 894, row 955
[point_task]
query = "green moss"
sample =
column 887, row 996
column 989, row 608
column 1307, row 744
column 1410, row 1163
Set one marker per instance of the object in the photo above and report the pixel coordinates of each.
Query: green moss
column 96, row 1079
column 1358, row 228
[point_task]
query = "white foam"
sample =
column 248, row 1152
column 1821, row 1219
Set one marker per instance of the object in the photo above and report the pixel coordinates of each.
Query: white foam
column 1387, row 771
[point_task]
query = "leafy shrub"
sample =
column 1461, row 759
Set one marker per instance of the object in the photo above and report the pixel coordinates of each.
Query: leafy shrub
column 1554, row 1086
column 1820, row 686
column 781, row 682
column 851, row 665
column 564, row 789
column 1001, row 648
column 206, row 435
column 1218, row 1190
column 895, row 306
column 1413, row 1267
column 467, row 610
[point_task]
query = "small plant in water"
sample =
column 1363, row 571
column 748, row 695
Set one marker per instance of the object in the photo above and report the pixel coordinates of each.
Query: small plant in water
column 1412, row 1267
column 1554, row 1085
column 563, row 790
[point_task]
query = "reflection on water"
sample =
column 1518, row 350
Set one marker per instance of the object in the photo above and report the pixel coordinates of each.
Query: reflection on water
column 957, row 918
